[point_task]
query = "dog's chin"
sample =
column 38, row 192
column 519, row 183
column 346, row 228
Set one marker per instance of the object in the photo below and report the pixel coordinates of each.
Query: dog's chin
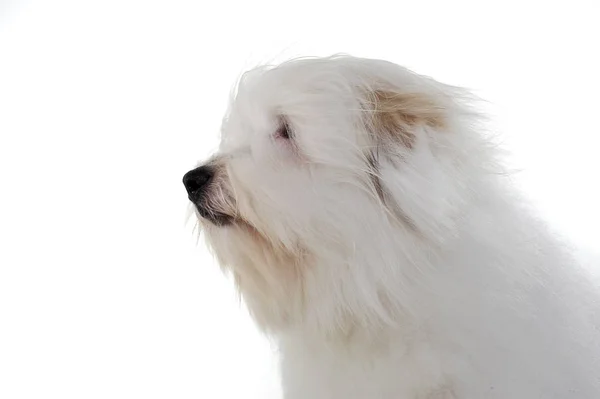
column 216, row 218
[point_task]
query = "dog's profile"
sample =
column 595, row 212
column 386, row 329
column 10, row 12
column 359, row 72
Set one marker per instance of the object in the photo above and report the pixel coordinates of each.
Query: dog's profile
column 372, row 232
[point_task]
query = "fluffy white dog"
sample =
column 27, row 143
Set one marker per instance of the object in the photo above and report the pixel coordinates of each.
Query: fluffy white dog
column 371, row 232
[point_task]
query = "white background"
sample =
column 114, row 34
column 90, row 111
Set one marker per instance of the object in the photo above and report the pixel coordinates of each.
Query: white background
column 105, row 104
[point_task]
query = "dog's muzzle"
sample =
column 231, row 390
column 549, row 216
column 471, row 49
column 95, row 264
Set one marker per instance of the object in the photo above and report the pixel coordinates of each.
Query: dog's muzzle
column 197, row 183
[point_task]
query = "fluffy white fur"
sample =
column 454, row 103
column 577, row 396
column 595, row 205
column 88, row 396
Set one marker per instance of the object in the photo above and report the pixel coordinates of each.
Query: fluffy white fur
column 382, row 246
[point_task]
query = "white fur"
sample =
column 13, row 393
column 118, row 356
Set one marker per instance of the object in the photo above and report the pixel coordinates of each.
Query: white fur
column 448, row 287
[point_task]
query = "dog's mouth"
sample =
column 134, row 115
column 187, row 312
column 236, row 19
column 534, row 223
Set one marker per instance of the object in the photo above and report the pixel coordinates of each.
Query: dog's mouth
column 215, row 217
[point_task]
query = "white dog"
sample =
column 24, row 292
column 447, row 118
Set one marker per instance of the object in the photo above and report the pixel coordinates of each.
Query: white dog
column 372, row 233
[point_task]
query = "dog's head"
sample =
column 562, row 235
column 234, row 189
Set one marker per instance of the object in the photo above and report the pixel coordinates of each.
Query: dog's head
column 331, row 174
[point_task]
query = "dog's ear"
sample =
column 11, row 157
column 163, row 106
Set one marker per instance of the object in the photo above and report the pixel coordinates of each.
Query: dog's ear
column 394, row 115
column 394, row 121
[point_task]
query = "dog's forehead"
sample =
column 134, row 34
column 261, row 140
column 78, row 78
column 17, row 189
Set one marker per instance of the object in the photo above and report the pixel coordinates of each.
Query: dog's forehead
column 292, row 79
column 252, row 110
column 262, row 96
column 306, row 90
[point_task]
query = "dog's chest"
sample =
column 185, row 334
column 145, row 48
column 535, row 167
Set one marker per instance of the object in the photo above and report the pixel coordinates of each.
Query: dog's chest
column 375, row 372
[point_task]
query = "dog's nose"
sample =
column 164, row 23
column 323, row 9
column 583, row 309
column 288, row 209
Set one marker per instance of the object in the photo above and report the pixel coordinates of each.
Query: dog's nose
column 195, row 180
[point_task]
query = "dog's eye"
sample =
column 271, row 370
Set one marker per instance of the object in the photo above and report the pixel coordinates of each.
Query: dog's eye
column 283, row 131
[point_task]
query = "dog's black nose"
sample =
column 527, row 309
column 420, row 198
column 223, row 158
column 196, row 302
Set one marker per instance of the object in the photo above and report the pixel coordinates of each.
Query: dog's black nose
column 195, row 180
